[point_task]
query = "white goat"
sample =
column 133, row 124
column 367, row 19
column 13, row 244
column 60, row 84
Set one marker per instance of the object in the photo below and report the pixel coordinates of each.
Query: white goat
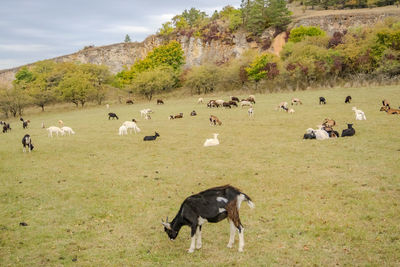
column 131, row 125
column 68, row 130
column 319, row 133
column 220, row 102
column 359, row 114
column 54, row 129
column 123, row 130
column 250, row 111
column 212, row 142
column 145, row 112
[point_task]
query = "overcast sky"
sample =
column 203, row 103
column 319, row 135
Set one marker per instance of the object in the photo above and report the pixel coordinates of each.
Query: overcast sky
column 32, row 30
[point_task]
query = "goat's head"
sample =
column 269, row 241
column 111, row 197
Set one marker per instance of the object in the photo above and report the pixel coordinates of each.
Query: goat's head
column 172, row 234
column 350, row 125
column 156, row 134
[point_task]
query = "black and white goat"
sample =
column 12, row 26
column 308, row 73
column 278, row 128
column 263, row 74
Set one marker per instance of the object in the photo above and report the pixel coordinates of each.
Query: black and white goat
column 27, row 143
column 6, row 127
column 212, row 205
column 151, row 137
column 24, row 123
column 322, row 100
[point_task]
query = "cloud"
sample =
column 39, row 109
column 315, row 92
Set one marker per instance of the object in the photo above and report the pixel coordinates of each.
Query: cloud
column 161, row 18
column 24, row 47
column 126, row 29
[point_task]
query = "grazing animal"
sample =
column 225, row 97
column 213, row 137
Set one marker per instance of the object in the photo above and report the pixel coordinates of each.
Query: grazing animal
column 131, row 125
column 233, row 103
column 234, row 98
column 390, row 110
column 123, row 130
column 212, row 141
column 27, row 143
column 226, row 104
column 250, row 111
column 322, row 100
column 145, row 112
column 290, row 111
column 359, row 114
column 249, row 99
column 347, row 100
column 24, row 123
column 193, row 113
column 212, row 104
column 282, row 105
column 54, row 129
column 200, row 100
column 246, row 103
column 350, row 131
column 61, row 123
column 214, row 120
column 219, row 102
column 107, row 106
column 129, row 101
column 151, row 137
column 6, row 127
column 212, row 205
column 112, row 115
column 179, row 116
column 296, row 101
column 385, row 103
column 160, row 102
column 68, row 130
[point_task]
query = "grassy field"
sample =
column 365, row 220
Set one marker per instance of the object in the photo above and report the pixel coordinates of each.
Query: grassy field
column 97, row 199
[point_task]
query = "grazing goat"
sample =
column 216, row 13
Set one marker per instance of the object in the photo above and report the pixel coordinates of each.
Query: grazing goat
column 151, row 137
column 322, row 100
column 282, row 105
column 249, row 99
column 160, row 102
column 385, row 103
column 145, row 112
column 193, row 113
column 68, row 130
column 54, row 129
column 219, row 102
column 123, row 130
column 390, row 110
column 233, row 103
column 214, row 120
column 234, row 98
column 212, row 205
column 296, row 101
column 350, row 131
column 200, row 100
column 250, row 111
column 6, row 127
column 129, row 101
column 212, row 104
column 61, row 123
column 24, row 123
column 112, row 115
column 27, row 143
column 131, row 125
column 359, row 114
column 347, row 100
column 226, row 104
column 212, row 141
column 246, row 103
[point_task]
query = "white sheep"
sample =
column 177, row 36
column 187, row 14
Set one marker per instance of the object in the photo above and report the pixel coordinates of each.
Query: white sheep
column 123, row 130
column 68, row 130
column 131, row 125
column 359, row 114
column 54, row 129
column 212, row 141
column 246, row 103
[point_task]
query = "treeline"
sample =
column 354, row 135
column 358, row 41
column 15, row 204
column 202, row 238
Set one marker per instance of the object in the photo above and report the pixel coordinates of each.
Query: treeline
column 342, row 4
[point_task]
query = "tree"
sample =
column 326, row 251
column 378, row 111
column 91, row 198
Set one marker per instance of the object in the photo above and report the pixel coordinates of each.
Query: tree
column 265, row 66
column 298, row 34
column 127, row 39
column 203, row 79
column 278, row 15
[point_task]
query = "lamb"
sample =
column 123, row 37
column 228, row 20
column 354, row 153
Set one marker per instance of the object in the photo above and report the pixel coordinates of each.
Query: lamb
column 6, row 127
column 212, row 141
column 193, row 113
column 214, row 120
column 347, row 100
column 123, row 130
column 296, row 101
column 151, row 137
column 359, row 114
column 245, row 103
column 282, row 105
column 179, row 116
column 54, row 129
column 250, row 111
column 249, row 99
column 112, row 115
column 24, row 123
column 68, row 130
column 160, row 102
column 350, row 131
column 212, row 104
column 131, row 125
column 212, row 205
column 322, row 100
column 27, row 142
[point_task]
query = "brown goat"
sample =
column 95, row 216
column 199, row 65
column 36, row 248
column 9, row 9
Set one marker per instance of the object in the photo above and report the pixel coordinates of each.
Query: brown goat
column 296, row 101
column 390, row 110
column 214, row 120
column 328, row 123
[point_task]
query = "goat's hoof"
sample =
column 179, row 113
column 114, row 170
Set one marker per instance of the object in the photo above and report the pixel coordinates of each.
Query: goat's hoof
column 229, row 245
column 198, row 246
column 190, row 250
column 240, row 249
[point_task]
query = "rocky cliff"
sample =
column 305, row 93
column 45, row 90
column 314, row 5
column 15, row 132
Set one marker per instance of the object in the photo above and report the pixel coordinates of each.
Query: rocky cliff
column 197, row 52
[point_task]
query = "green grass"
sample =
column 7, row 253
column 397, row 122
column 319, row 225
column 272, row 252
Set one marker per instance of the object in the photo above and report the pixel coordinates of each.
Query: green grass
column 97, row 198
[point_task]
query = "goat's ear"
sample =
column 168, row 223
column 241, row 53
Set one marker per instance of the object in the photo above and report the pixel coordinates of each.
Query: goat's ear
column 166, row 224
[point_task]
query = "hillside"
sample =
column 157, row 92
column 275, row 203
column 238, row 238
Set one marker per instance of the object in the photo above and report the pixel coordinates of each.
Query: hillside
column 197, row 52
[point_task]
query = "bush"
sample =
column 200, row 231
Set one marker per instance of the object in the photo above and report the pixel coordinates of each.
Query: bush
column 298, row 34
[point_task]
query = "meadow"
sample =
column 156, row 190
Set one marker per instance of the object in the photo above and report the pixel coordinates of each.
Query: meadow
column 97, row 199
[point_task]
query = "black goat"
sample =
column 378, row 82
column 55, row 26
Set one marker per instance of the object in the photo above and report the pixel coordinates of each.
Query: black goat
column 6, row 127
column 112, row 115
column 151, row 137
column 350, row 131
column 160, row 102
column 212, row 205
column 27, row 143
column 234, row 98
column 322, row 100
column 348, row 99
column 193, row 113
column 233, row 103
column 226, row 104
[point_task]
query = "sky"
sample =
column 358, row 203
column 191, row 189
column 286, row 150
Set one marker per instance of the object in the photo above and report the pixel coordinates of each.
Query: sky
column 32, row 30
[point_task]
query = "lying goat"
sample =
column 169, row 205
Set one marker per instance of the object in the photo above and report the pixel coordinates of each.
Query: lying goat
column 212, row 205
column 193, row 113
column 27, row 143
column 350, row 131
column 151, row 137
column 390, row 110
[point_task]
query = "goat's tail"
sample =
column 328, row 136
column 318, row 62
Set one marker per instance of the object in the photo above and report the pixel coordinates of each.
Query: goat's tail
column 248, row 200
